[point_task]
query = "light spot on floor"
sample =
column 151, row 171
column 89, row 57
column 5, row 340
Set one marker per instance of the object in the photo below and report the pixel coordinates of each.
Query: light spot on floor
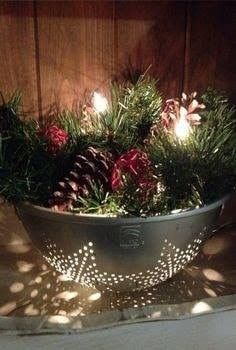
column 5, row 309
column 201, row 307
column 34, row 293
column 94, row 296
column 58, row 319
column 67, row 295
column 213, row 275
column 31, row 311
column 24, row 266
column 16, row 287
column 215, row 245
column 210, row 292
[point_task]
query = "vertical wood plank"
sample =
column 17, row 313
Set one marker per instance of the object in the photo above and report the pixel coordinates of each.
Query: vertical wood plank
column 17, row 59
column 152, row 33
column 76, row 49
column 17, row 71
column 212, row 46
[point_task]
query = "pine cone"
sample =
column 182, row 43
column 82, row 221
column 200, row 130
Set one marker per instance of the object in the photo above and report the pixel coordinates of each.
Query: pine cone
column 94, row 168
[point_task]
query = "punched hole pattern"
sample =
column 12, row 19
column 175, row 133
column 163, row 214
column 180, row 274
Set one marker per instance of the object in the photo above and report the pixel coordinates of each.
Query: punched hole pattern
column 81, row 265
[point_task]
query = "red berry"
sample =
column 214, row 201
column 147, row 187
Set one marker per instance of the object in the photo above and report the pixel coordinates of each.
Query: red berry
column 134, row 163
column 56, row 138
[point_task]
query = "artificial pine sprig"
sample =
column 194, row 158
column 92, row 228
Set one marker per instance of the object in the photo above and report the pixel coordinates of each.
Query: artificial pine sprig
column 143, row 104
column 182, row 169
column 201, row 168
column 27, row 170
column 128, row 120
column 100, row 202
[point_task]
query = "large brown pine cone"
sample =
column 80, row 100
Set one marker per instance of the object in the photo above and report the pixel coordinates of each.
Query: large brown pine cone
column 93, row 168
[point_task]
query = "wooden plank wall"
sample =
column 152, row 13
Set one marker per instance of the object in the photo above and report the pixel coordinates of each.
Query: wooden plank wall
column 211, row 47
column 56, row 50
column 17, row 52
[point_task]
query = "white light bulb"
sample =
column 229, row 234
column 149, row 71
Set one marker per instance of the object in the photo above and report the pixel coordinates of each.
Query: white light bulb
column 182, row 129
column 99, row 102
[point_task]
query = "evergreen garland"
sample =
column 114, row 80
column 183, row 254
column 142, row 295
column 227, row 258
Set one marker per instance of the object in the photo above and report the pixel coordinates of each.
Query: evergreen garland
column 35, row 156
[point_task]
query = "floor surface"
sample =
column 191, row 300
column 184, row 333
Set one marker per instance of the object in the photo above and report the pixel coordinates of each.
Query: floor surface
column 209, row 332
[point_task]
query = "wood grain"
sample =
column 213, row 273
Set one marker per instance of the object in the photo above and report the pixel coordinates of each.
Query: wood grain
column 212, row 46
column 76, row 49
column 17, row 59
column 152, row 33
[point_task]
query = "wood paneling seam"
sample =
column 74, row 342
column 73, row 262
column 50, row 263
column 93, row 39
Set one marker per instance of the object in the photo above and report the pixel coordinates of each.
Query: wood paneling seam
column 185, row 81
column 37, row 63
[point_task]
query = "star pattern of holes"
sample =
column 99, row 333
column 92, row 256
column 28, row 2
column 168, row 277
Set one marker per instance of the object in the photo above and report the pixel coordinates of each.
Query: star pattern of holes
column 81, row 266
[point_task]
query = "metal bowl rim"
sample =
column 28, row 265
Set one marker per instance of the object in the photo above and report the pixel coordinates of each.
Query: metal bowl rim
column 67, row 217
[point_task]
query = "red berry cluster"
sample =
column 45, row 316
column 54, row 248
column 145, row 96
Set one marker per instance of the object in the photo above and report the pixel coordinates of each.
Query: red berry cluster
column 56, row 138
column 135, row 164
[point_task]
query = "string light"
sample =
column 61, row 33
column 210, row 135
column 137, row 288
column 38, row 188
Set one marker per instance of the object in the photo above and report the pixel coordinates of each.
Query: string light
column 99, row 102
column 182, row 129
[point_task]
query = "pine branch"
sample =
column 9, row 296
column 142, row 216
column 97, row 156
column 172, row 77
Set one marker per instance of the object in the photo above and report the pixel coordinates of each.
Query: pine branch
column 99, row 202
column 128, row 121
column 203, row 168
column 194, row 172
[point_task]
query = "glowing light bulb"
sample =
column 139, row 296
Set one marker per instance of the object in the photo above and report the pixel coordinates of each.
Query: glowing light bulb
column 182, row 129
column 99, row 102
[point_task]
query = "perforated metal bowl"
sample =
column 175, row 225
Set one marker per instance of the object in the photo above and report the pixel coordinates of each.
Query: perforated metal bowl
column 118, row 253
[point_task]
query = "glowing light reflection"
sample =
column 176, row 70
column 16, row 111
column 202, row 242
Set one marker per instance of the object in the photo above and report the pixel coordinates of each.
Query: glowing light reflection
column 99, row 102
column 94, row 296
column 201, row 307
column 182, row 129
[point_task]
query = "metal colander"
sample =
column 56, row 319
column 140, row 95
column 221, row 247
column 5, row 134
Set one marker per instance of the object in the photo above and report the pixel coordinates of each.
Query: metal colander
column 118, row 253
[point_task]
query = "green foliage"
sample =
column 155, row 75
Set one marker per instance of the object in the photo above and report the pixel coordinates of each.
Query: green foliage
column 9, row 111
column 133, row 111
column 176, row 164
column 215, row 144
column 143, row 105
column 202, row 168
column 27, row 170
column 71, row 123
column 137, row 203
column 191, row 173
column 19, row 177
column 100, row 202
